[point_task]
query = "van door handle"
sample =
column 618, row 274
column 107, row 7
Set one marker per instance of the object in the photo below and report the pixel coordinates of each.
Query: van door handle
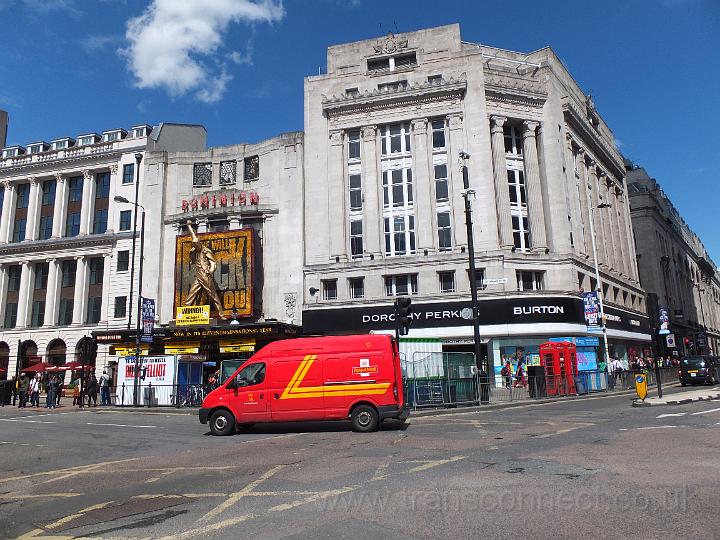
column 277, row 396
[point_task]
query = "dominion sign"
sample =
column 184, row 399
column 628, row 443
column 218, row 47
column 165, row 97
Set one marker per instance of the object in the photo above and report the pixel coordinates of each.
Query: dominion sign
column 215, row 269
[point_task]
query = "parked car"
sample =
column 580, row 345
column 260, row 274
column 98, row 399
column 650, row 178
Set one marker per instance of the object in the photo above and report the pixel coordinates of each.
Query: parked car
column 307, row 379
column 699, row 370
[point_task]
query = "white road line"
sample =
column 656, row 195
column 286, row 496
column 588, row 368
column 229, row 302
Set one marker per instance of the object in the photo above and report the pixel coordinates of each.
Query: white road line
column 117, row 425
column 705, row 412
column 29, row 421
column 671, row 414
column 647, row 427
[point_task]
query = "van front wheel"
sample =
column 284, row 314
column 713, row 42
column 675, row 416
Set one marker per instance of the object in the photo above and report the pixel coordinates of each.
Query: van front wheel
column 222, row 423
column 364, row 419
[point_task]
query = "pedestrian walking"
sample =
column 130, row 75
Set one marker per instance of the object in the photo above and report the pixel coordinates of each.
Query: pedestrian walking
column 520, row 376
column 76, row 393
column 13, row 389
column 35, row 391
column 60, row 386
column 104, row 388
column 52, row 387
column 617, row 369
column 92, row 391
column 23, row 385
column 506, row 373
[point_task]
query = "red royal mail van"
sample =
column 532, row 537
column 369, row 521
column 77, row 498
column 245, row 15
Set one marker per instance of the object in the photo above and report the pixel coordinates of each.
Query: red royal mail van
column 322, row 378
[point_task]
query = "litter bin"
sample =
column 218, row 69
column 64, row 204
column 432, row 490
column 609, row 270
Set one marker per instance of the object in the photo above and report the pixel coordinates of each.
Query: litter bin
column 149, row 396
column 536, row 380
column 580, row 384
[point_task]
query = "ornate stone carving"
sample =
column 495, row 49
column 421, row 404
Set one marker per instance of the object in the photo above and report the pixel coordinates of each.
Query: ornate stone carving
column 59, row 178
column 390, row 44
column 113, row 168
column 455, row 121
column 336, row 137
column 33, row 180
column 529, row 128
column 87, row 174
column 420, row 124
column 290, row 301
column 497, row 122
column 6, row 184
column 368, row 132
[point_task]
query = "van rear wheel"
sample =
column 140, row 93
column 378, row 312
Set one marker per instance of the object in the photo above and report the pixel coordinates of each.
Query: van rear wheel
column 222, row 423
column 364, row 419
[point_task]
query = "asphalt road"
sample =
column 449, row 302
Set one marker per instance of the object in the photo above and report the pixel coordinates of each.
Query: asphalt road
column 591, row 467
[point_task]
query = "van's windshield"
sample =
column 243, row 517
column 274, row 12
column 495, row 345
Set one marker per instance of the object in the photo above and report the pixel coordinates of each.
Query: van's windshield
column 694, row 361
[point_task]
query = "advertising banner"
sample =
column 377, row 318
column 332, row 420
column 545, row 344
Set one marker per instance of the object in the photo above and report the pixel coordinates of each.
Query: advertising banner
column 159, row 373
column 591, row 306
column 189, row 347
column 148, row 319
column 664, row 322
column 215, row 269
column 191, row 315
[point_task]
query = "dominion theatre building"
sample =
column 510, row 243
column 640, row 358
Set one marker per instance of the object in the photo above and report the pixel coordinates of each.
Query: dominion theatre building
column 316, row 232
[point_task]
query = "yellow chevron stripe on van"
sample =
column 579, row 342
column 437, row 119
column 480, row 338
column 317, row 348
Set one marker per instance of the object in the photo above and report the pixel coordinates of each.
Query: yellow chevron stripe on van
column 293, row 390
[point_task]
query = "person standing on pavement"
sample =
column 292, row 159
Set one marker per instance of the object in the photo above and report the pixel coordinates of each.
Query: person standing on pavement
column 23, row 385
column 92, row 391
column 52, row 387
column 104, row 388
column 60, row 386
column 506, row 373
column 13, row 389
column 35, row 391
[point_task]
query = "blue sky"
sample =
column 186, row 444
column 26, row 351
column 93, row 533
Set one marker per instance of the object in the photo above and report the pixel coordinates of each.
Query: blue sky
column 237, row 67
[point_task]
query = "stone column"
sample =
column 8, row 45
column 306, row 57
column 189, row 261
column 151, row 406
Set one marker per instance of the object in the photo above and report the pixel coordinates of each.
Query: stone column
column 455, row 182
column 372, row 189
column 88, row 202
column 605, row 215
column 52, row 294
column 114, row 181
column 533, row 187
column 336, row 197
column 106, row 303
column 33, row 211
column 24, row 295
column 423, row 199
column 8, row 209
column 3, row 291
column 628, row 238
column 80, row 298
column 596, row 213
column 584, row 210
column 621, row 253
column 60, row 209
column 502, row 199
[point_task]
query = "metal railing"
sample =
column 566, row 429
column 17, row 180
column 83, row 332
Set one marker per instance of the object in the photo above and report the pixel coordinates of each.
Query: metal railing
column 162, row 395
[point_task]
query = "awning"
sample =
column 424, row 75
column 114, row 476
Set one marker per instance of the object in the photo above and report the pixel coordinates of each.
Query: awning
column 36, row 368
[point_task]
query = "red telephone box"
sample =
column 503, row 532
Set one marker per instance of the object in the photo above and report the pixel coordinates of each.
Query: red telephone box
column 560, row 363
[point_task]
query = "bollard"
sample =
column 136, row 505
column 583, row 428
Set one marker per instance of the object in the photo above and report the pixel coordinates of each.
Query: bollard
column 122, row 397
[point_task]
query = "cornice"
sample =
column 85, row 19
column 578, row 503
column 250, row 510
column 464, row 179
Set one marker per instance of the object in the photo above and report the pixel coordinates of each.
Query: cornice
column 242, row 212
column 610, row 158
column 61, row 245
column 506, row 88
column 384, row 99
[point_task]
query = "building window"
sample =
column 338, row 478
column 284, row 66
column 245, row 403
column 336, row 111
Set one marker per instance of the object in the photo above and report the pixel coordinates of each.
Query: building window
column 125, row 220
column 401, row 285
column 60, row 145
column 37, row 316
column 120, row 307
column 352, row 92
column 395, row 139
column 516, row 188
column 94, row 310
column 102, row 185
column 202, row 174
column 48, row 192
column 399, row 235
column 441, row 183
column 100, row 221
column 65, row 315
column 69, row 267
column 329, row 289
column 354, row 144
column 10, row 315
column 357, row 287
column 479, row 279
column 397, row 188
column 393, row 86
column 404, row 61
column 356, row 238
column 444, row 231
column 41, row 275
column 84, row 141
column 128, row 176
column 14, row 274
column 528, row 280
column 23, row 196
column 251, row 168
column 19, row 230
column 438, row 134
column 75, row 189
column 518, row 209
column 227, row 172
column 123, row 261
column 434, row 79
column 447, row 281
column 513, row 140
column 96, row 265
column 355, row 192
column 378, row 65
column 72, row 226
column 46, row 225
column 2, row 198
column 521, row 232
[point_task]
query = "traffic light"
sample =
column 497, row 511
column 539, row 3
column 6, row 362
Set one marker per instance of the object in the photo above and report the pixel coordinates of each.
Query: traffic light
column 403, row 315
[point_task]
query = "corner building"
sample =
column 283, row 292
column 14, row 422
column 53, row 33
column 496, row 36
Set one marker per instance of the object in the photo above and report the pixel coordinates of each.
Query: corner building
column 384, row 208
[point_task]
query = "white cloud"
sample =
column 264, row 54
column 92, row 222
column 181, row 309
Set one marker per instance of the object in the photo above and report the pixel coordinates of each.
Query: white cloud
column 173, row 41
column 95, row 43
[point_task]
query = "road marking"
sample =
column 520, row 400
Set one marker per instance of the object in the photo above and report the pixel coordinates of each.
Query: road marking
column 117, row 425
column 312, row 498
column 24, row 444
column 647, row 427
column 705, row 412
column 71, row 517
column 74, row 470
column 671, row 414
column 381, row 471
column 12, row 497
column 566, row 430
column 430, row 464
column 235, row 497
column 28, row 421
column 203, row 531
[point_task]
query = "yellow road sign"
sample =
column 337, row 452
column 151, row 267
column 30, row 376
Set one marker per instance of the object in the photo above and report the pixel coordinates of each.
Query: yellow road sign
column 641, row 385
column 189, row 315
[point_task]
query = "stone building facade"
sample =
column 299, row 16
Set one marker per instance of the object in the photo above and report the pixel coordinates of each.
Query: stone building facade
column 384, row 209
column 675, row 269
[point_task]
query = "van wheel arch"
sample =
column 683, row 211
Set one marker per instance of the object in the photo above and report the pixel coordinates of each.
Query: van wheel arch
column 216, row 430
column 364, row 416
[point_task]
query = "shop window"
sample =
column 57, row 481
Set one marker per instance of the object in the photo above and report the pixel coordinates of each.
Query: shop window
column 401, row 285
column 447, row 281
column 528, row 280
column 329, row 289
column 357, row 287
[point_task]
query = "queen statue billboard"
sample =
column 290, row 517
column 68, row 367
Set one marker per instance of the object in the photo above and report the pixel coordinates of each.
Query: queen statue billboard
column 215, row 269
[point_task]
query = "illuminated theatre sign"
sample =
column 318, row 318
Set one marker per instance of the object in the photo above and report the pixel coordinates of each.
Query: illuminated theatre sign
column 215, row 269
column 221, row 199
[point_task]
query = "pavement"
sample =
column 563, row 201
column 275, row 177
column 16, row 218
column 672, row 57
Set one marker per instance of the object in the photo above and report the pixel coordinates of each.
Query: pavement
column 581, row 467
column 687, row 396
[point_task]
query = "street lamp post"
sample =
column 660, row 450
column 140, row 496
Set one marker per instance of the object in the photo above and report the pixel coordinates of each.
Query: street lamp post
column 138, row 159
column 598, row 279
column 138, row 333
column 467, row 193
